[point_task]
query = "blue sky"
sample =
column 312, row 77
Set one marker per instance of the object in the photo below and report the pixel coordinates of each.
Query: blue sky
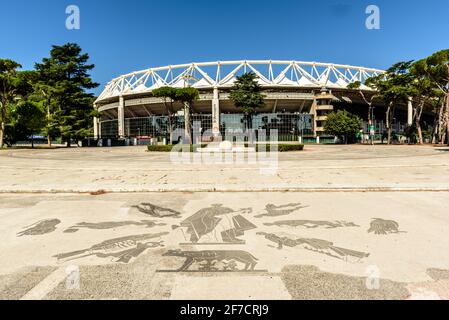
column 123, row 36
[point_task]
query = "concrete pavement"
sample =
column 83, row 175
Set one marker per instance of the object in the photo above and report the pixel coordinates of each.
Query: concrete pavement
column 318, row 168
column 304, row 246
column 75, row 224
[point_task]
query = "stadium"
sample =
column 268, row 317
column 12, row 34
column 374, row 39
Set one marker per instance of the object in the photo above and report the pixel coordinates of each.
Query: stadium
column 298, row 97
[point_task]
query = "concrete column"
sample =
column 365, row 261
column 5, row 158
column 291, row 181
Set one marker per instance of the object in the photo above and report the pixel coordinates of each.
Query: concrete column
column 313, row 113
column 216, row 113
column 96, row 125
column 410, row 112
column 121, row 117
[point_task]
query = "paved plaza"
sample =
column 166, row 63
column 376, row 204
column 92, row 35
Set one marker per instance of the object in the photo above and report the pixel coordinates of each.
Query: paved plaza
column 131, row 169
column 332, row 222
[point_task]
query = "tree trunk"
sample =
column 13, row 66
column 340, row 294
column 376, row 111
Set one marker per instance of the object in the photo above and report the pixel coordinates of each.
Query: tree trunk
column 32, row 141
column 170, row 119
column 3, row 120
column 370, row 138
column 48, row 121
column 419, row 129
column 370, row 114
column 434, row 134
column 248, row 132
column 2, row 130
column 389, row 118
column 187, row 126
column 436, row 129
column 388, row 123
column 370, row 123
column 442, row 122
column 447, row 116
column 170, row 129
column 418, row 113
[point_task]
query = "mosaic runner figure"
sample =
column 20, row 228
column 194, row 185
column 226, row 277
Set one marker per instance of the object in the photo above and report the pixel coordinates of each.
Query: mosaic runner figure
column 205, row 222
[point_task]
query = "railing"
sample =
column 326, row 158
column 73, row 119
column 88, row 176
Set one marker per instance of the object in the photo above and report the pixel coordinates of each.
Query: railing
column 288, row 125
column 380, row 127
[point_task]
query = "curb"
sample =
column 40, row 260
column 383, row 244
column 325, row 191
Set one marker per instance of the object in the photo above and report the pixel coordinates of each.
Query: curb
column 225, row 190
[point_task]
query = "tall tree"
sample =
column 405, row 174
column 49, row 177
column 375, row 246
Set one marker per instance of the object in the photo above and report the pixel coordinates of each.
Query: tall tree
column 29, row 118
column 168, row 95
column 369, row 100
column 64, row 80
column 8, row 90
column 24, row 94
column 48, row 90
column 393, row 87
column 187, row 96
column 436, row 69
column 423, row 95
column 247, row 95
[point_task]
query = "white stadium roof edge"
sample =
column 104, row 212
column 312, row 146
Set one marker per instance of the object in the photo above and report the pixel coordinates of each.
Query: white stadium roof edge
column 222, row 74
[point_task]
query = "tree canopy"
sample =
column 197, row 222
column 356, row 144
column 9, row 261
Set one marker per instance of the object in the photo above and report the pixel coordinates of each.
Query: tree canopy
column 394, row 88
column 53, row 99
column 28, row 119
column 170, row 95
column 433, row 80
column 9, row 83
column 188, row 94
column 424, row 83
column 343, row 124
column 247, row 93
column 63, row 80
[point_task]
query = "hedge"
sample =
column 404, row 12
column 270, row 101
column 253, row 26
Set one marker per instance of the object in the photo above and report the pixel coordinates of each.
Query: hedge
column 261, row 147
column 280, row 147
column 169, row 147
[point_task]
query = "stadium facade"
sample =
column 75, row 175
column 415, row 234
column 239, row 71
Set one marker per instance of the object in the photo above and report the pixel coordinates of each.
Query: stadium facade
column 298, row 97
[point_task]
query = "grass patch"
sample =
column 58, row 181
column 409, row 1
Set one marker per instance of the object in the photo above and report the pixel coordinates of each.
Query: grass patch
column 169, row 147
